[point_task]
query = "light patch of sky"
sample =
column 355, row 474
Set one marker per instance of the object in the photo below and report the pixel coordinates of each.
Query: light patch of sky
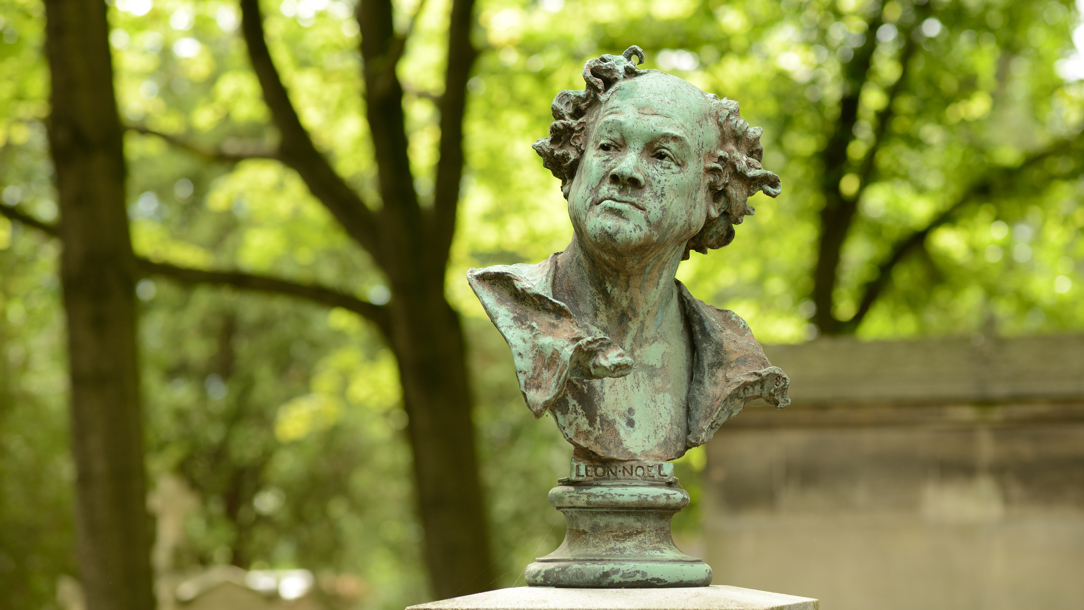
column 135, row 7
column 1072, row 68
column 931, row 27
column 226, row 17
column 303, row 9
column 677, row 59
column 379, row 295
column 887, row 32
column 340, row 9
column 1063, row 284
column 149, row 89
column 186, row 47
column 119, row 39
column 152, row 42
column 295, row 583
column 181, row 19
column 12, row 195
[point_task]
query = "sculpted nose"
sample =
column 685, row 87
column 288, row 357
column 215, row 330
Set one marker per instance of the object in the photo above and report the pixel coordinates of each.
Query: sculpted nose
column 627, row 173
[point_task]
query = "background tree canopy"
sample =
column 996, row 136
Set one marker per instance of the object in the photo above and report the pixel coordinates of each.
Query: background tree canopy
column 931, row 155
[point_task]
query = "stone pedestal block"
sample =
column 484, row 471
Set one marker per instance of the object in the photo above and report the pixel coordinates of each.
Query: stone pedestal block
column 618, row 536
column 714, row 597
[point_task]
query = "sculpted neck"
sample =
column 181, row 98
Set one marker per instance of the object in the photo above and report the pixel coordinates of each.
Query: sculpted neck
column 628, row 298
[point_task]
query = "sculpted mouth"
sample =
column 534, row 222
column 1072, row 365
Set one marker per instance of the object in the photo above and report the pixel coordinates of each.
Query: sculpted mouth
column 621, row 202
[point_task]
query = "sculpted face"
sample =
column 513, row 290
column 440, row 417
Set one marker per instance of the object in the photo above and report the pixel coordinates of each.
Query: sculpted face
column 641, row 188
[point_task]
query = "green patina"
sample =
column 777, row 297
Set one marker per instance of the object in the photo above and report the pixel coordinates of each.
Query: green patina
column 633, row 369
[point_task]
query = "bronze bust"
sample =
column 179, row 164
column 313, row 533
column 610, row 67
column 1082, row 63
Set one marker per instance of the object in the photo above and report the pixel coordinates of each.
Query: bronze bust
column 630, row 365
column 633, row 369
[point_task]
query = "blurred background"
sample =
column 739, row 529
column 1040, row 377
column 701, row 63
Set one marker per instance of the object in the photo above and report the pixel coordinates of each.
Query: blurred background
column 328, row 420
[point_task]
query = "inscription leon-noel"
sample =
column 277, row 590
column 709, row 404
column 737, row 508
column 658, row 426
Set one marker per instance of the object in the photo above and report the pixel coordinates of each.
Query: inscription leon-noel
column 652, row 471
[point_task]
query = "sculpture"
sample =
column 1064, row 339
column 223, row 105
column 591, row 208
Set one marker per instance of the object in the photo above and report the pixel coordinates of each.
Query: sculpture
column 633, row 369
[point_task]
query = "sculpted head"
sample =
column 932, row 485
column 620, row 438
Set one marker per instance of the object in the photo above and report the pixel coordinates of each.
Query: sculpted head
column 649, row 162
column 628, row 362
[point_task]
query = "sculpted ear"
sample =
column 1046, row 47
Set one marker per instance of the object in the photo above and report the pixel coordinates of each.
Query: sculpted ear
column 718, row 176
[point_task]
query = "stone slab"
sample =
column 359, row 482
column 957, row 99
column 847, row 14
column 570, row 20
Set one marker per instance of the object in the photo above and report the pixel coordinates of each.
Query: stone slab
column 835, row 371
column 715, row 597
column 985, row 517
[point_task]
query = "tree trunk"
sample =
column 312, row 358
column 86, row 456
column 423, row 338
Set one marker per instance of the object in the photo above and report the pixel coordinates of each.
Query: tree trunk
column 97, row 271
column 410, row 244
column 424, row 331
column 839, row 211
column 428, row 343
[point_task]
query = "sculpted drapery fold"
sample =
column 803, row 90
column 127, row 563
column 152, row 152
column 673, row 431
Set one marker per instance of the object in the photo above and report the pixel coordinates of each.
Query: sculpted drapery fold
column 549, row 347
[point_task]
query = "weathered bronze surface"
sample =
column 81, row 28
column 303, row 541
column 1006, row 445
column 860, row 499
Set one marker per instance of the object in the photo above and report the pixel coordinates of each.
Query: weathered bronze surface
column 618, row 536
column 633, row 368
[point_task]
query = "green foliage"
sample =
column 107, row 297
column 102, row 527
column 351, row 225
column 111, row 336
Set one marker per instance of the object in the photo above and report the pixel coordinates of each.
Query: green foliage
column 36, row 475
column 286, row 418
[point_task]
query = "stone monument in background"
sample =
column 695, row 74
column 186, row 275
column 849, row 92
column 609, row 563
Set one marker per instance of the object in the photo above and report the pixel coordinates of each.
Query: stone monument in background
column 634, row 370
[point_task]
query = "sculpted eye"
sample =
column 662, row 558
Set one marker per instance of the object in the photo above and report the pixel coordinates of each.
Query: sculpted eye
column 663, row 155
column 606, row 147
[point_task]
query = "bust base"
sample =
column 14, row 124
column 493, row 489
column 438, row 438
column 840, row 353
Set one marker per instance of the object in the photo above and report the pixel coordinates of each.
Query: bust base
column 618, row 536
column 715, row 597
column 619, row 574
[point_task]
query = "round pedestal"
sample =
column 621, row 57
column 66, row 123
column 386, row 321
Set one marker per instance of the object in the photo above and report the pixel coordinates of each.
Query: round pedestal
column 618, row 536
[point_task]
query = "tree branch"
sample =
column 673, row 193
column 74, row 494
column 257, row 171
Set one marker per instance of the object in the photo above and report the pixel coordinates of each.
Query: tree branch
column 398, row 45
column 884, row 117
column 270, row 285
column 422, row 93
column 977, row 191
column 297, row 149
column 401, row 218
column 14, row 214
column 453, row 104
column 222, row 155
column 315, row 293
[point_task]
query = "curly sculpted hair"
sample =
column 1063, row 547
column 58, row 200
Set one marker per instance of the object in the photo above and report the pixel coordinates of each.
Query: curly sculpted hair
column 734, row 176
